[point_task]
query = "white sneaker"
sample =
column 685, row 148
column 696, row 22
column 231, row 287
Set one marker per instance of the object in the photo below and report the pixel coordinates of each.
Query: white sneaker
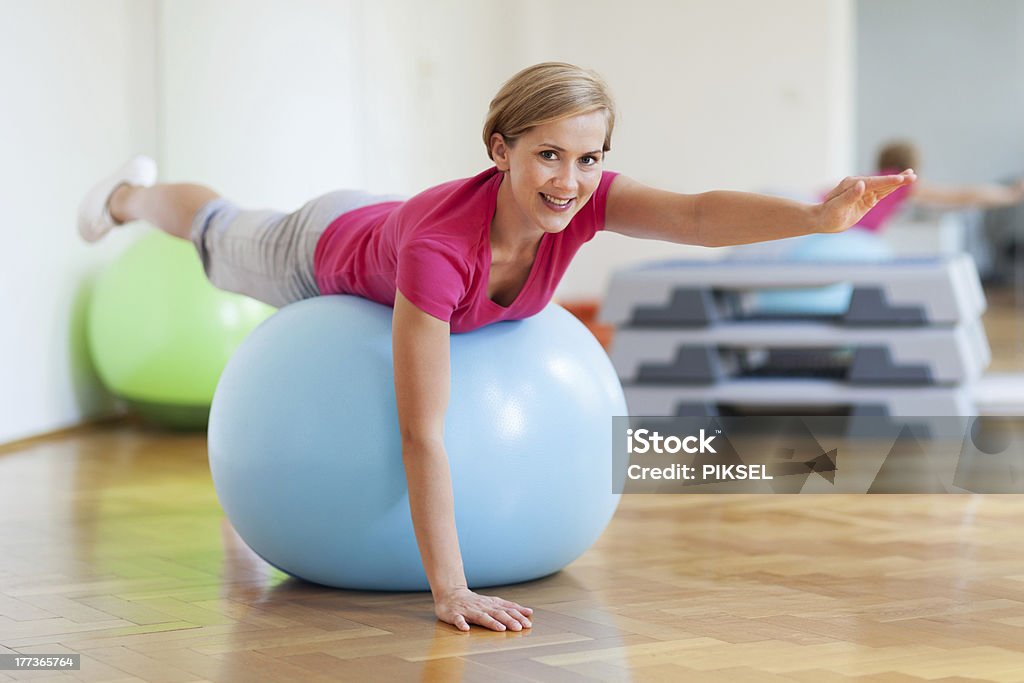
column 94, row 219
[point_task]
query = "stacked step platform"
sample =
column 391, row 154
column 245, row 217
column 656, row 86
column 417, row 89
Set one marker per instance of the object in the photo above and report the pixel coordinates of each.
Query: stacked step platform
column 691, row 339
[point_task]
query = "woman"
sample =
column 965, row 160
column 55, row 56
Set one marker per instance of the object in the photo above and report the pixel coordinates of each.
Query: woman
column 459, row 256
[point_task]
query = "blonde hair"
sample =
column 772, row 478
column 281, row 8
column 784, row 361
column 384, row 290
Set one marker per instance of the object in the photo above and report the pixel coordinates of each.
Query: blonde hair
column 899, row 155
column 543, row 93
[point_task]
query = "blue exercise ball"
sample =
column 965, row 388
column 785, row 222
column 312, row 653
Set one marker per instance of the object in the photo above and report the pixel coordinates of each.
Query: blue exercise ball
column 854, row 245
column 306, row 454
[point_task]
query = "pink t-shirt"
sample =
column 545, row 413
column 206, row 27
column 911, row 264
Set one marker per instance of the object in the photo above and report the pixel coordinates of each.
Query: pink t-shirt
column 875, row 219
column 435, row 248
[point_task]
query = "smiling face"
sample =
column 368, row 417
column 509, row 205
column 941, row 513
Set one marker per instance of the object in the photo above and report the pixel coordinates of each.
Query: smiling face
column 550, row 172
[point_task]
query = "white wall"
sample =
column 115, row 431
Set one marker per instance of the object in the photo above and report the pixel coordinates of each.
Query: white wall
column 76, row 99
column 949, row 75
column 274, row 102
column 253, row 98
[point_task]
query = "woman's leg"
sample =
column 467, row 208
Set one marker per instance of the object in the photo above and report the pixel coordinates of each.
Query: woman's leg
column 170, row 207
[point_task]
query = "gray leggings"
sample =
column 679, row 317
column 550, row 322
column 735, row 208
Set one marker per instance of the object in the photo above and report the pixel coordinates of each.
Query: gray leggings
column 268, row 255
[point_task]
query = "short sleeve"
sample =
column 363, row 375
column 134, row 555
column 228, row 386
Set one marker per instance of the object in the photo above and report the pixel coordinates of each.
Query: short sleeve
column 591, row 218
column 601, row 198
column 433, row 276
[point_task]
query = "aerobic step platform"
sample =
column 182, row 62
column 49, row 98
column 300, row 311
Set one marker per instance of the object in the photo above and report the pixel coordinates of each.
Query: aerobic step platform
column 858, row 355
column 797, row 397
column 941, row 291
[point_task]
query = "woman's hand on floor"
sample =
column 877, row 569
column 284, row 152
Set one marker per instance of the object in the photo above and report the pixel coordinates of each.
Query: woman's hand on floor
column 461, row 607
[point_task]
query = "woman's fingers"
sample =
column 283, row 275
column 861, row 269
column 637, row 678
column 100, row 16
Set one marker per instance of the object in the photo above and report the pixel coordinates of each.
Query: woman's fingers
column 888, row 183
column 485, row 619
column 505, row 617
column 497, row 620
column 515, row 605
column 460, row 622
column 519, row 616
column 879, row 184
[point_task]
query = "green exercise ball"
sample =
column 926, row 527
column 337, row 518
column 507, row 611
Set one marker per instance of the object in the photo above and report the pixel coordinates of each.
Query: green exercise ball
column 160, row 334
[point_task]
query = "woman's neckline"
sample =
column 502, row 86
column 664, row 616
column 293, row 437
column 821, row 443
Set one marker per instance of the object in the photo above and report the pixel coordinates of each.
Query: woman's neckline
column 489, row 254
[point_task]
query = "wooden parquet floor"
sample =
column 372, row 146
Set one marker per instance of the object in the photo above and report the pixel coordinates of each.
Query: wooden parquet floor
column 113, row 545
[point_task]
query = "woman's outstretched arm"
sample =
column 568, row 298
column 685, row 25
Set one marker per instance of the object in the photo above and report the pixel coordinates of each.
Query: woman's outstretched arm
column 421, row 346
column 720, row 218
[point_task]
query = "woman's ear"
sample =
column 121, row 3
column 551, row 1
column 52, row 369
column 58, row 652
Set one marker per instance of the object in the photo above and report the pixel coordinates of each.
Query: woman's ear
column 500, row 151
